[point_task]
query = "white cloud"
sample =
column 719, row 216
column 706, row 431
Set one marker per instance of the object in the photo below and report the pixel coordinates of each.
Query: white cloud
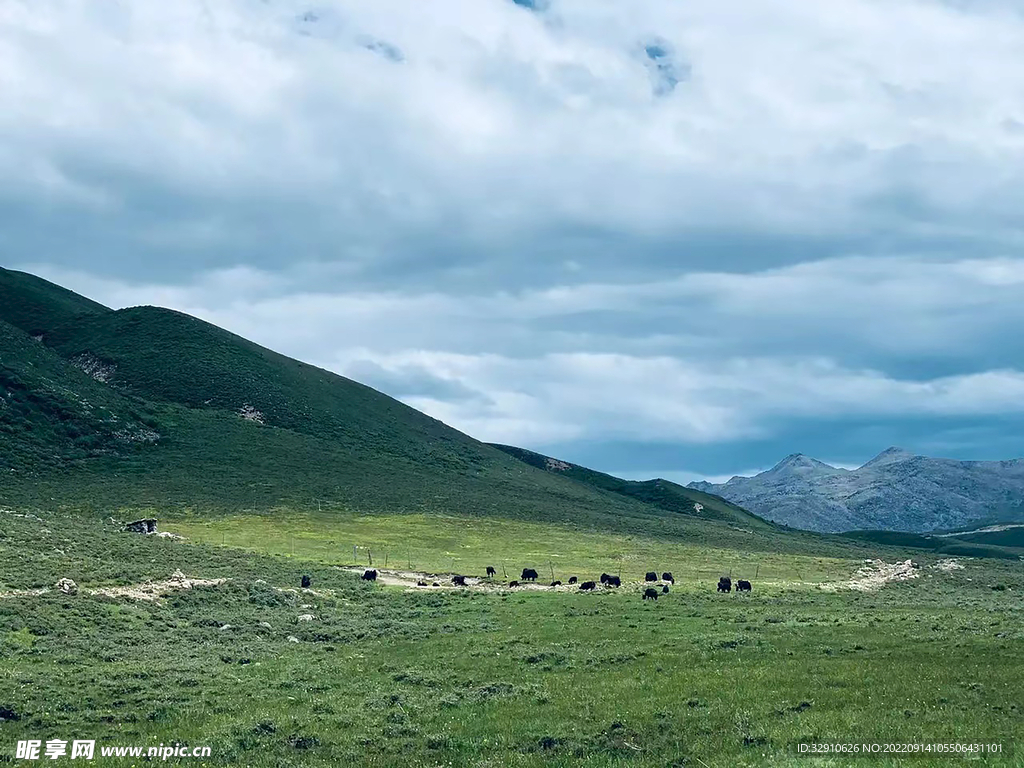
column 795, row 118
column 461, row 359
column 501, row 216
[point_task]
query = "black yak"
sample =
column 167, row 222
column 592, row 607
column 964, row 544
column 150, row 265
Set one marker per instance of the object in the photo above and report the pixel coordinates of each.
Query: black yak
column 604, row 578
column 614, row 581
column 650, row 594
column 556, row 583
column 529, row 575
column 725, row 584
column 459, row 581
column 513, row 583
column 573, row 579
column 664, row 589
column 587, row 586
column 421, row 583
column 369, row 575
column 667, row 576
column 306, row 582
column 490, row 571
column 651, row 576
column 742, row 585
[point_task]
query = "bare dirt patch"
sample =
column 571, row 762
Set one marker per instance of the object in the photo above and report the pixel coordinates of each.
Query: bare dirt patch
column 154, row 590
column 874, row 575
column 23, row 593
column 249, row 413
column 150, row 591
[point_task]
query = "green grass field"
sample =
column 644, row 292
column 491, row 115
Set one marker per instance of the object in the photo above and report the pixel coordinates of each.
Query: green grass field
column 449, row 544
column 272, row 469
column 387, row 677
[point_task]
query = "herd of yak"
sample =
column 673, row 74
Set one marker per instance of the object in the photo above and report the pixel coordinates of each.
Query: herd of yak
column 609, row 581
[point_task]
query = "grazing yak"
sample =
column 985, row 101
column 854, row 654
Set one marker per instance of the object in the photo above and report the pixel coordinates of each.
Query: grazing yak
column 573, row 579
column 725, row 584
column 664, row 589
column 490, row 571
column 459, row 581
column 650, row 594
column 586, row 586
column 651, row 576
column 513, row 583
column 556, row 583
column 613, row 581
column 306, row 581
column 604, row 578
column 667, row 576
column 742, row 585
column 369, row 575
column 528, row 575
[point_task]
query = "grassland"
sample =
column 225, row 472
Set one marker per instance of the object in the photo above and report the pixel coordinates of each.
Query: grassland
column 325, row 473
column 451, row 544
column 386, row 677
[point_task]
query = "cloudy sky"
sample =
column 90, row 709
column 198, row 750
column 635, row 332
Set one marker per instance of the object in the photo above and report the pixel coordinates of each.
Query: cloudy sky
column 658, row 237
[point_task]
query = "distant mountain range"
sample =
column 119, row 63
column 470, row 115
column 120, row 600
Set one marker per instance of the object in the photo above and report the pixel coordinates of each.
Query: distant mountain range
column 897, row 491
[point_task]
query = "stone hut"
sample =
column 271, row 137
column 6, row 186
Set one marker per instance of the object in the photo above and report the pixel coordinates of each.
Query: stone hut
column 146, row 525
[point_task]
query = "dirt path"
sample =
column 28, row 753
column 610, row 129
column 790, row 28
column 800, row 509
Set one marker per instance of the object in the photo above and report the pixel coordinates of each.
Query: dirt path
column 988, row 529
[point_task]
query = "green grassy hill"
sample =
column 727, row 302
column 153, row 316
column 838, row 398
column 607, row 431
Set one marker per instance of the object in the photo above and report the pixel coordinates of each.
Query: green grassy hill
column 146, row 408
column 658, row 493
column 1009, row 537
column 37, row 306
column 1009, row 547
column 150, row 409
column 55, row 417
column 171, row 357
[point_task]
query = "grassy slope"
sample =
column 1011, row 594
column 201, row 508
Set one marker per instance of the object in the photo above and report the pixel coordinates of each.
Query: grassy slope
column 53, row 416
column 324, row 438
column 661, row 494
column 172, row 357
column 37, row 306
column 387, row 678
column 440, row 543
column 1011, row 537
column 1008, row 547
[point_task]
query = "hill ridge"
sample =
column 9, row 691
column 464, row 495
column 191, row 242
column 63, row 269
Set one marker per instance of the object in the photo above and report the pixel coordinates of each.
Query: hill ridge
column 240, row 427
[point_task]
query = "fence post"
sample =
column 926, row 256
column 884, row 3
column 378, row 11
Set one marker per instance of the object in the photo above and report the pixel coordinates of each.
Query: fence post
column 369, row 555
